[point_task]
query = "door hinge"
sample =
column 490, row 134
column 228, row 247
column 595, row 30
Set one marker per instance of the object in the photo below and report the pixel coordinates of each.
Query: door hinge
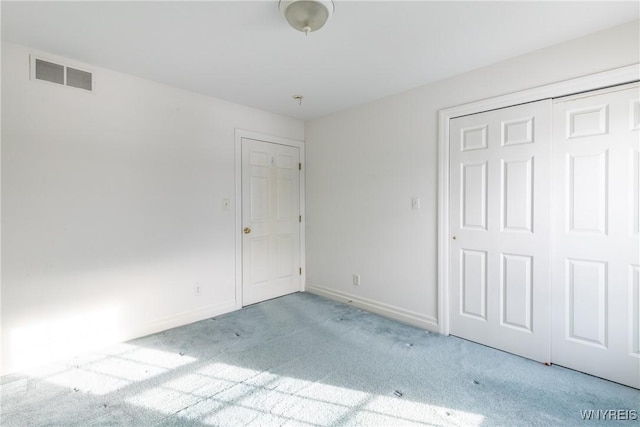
column 299, row 218
column 299, row 166
column 300, row 270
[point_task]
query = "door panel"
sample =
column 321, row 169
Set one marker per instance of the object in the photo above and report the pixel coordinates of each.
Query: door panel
column 517, row 195
column 473, row 193
column 586, row 303
column 516, row 298
column 474, row 284
column 587, row 196
column 595, row 234
column 270, row 220
column 499, row 290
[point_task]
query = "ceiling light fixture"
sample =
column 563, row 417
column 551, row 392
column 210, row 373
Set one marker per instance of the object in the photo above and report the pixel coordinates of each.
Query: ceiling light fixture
column 306, row 15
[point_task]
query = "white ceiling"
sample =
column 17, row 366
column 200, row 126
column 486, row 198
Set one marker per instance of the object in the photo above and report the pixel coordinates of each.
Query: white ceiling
column 245, row 52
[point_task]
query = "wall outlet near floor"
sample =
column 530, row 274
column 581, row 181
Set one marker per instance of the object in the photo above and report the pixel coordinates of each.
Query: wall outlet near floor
column 197, row 289
column 356, row 279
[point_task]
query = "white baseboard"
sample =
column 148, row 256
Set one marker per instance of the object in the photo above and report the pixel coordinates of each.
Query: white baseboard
column 400, row 314
column 179, row 319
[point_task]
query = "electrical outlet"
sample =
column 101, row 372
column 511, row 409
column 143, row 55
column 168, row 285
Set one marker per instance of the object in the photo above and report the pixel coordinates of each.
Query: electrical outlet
column 197, row 290
column 356, row 279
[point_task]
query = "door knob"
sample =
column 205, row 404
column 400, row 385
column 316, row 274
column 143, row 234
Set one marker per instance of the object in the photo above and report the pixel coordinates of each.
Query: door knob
column 247, row 230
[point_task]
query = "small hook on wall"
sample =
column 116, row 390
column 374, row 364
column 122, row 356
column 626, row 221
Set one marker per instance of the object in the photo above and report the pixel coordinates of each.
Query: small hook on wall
column 298, row 98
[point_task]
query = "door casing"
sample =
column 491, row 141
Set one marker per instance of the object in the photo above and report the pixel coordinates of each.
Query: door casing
column 604, row 79
column 239, row 135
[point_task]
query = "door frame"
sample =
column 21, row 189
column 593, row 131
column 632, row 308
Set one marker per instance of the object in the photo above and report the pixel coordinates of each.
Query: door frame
column 239, row 135
column 627, row 74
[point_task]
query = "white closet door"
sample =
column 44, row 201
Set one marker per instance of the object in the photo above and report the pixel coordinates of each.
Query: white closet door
column 499, row 221
column 595, row 270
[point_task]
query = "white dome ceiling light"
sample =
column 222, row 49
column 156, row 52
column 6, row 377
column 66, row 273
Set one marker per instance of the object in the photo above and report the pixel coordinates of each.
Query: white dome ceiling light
column 306, row 15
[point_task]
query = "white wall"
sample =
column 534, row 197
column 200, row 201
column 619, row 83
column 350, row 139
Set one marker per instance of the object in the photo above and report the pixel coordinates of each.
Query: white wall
column 364, row 166
column 112, row 209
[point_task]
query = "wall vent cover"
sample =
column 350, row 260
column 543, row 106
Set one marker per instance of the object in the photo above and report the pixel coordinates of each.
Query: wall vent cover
column 60, row 74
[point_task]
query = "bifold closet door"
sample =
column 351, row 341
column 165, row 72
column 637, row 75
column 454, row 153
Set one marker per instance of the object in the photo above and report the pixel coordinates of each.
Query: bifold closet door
column 499, row 291
column 596, row 222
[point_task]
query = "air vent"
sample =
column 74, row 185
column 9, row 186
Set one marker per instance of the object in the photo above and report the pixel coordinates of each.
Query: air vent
column 60, row 74
column 49, row 71
column 78, row 78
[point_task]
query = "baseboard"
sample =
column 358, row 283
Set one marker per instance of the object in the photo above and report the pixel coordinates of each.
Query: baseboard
column 180, row 319
column 400, row 314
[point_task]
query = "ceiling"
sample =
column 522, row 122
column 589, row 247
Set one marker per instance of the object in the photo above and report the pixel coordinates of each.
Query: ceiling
column 245, row 52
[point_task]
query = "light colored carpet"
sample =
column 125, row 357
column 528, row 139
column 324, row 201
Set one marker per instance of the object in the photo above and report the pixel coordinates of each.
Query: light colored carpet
column 305, row 360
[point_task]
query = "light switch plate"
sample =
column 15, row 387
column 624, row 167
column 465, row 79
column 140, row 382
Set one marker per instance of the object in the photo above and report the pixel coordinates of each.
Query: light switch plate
column 415, row 203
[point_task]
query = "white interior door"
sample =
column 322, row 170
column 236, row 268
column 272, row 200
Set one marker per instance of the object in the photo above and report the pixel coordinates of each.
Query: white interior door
column 595, row 271
column 270, row 220
column 499, row 222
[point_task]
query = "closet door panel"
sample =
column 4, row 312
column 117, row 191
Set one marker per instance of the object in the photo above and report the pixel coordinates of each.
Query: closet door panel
column 499, row 289
column 595, row 234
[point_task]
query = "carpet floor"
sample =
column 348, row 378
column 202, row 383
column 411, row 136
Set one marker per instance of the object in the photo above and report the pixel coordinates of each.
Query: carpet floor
column 306, row 360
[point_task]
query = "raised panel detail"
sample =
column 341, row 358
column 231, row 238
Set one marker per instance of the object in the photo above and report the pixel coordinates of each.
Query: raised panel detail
column 517, row 195
column 473, row 283
column 258, row 158
column 516, row 292
column 285, row 199
column 634, row 115
column 634, row 307
column 588, row 193
column 473, row 138
column 634, row 197
column 588, row 121
column 284, row 161
column 515, row 132
column 586, row 308
column 285, row 256
column 259, row 260
column 259, row 199
column 473, row 196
